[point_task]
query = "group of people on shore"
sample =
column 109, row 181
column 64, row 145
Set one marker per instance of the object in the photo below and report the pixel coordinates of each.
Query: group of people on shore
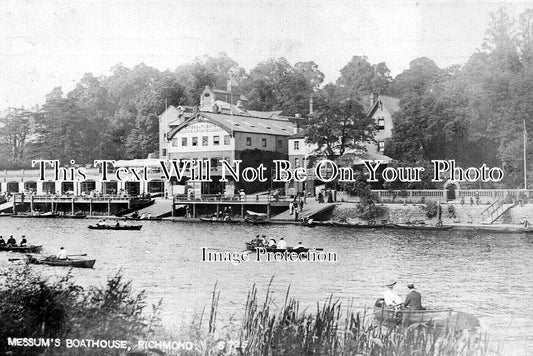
column 13, row 242
column 261, row 241
column 412, row 301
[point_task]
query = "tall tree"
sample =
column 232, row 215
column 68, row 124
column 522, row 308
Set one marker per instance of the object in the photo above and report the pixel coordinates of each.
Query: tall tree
column 339, row 124
column 359, row 78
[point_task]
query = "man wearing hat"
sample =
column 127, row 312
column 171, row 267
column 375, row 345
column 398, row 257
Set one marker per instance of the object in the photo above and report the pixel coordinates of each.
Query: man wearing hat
column 390, row 296
column 413, row 300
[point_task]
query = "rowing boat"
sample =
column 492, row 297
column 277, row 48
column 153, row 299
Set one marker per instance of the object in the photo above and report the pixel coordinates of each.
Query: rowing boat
column 423, row 227
column 440, row 318
column 35, row 215
column 359, row 226
column 253, row 247
column 230, row 221
column 22, row 249
column 52, row 261
column 115, row 227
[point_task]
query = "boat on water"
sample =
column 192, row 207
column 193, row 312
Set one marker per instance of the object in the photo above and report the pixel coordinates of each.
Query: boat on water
column 256, row 218
column 503, row 230
column 142, row 219
column 219, row 220
column 115, row 227
column 52, row 261
column 423, row 227
column 21, row 249
column 369, row 225
column 440, row 318
column 35, row 215
column 75, row 216
column 252, row 247
column 312, row 223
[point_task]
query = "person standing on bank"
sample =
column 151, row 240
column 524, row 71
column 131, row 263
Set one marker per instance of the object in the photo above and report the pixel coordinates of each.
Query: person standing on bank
column 413, row 300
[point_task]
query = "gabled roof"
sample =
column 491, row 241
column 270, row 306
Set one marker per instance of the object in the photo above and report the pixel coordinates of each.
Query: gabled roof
column 265, row 114
column 390, row 103
column 246, row 124
column 300, row 134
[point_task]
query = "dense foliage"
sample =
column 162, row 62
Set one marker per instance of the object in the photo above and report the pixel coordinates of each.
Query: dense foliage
column 32, row 306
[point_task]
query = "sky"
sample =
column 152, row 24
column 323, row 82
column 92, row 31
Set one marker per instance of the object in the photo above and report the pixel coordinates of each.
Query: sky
column 45, row 44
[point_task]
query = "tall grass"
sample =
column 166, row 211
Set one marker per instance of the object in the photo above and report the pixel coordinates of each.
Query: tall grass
column 331, row 329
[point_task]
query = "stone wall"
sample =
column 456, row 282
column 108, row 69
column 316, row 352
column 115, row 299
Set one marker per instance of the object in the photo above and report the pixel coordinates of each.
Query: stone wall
column 464, row 214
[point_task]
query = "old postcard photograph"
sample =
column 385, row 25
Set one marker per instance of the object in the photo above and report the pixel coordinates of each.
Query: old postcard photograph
column 266, row 177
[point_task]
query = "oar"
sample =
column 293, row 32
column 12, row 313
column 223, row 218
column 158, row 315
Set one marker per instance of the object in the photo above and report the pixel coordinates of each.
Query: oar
column 16, row 259
column 83, row 254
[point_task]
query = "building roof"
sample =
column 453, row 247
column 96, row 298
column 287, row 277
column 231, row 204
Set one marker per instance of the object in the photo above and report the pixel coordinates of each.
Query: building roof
column 246, row 124
column 265, row 114
column 390, row 103
column 300, row 134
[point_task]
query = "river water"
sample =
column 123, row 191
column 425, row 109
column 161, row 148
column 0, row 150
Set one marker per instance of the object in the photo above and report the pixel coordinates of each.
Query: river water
column 450, row 269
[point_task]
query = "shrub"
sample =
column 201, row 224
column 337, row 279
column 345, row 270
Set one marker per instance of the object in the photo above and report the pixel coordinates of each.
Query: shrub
column 431, row 209
column 38, row 307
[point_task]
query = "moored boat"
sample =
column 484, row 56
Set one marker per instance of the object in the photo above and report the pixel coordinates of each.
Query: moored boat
column 220, row 220
column 256, row 218
column 22, row 249
column 52, row 261
column 360, row 226
column 115, row 227
column 35, row 215
column 440, row 318
column 423, row 227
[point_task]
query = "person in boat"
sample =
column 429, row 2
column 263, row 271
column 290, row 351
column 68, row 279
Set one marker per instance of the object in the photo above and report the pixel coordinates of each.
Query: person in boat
column 272, row 243
column 23, row 242
column 62, row 254
column 264, row 240
column 282, row 244
column 101, row 223
column 11, row 241
column 149, row 216
column 299, row 246
column 390, row 296
column 117, row 223
column 135, row 215
column 2, row 241
column 413, row 300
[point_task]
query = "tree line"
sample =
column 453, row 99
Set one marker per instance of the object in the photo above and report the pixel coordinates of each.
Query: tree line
column 473, row 113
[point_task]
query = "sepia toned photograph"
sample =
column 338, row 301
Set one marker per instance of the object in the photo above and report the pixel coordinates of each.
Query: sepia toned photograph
column 266, row 177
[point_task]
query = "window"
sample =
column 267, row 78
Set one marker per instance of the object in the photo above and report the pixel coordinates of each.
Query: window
column 205, row 140
column 214, row 162
column 164, row 152
column 175, row 142
column 216, row 140
column 296, row 162
column 280, row 143
column 381, row 146
column 195, row 141
column 296, row 145
column 381, row 123
column 248, row 141
column 184, row 141
column 226, row 139
column 263, row 142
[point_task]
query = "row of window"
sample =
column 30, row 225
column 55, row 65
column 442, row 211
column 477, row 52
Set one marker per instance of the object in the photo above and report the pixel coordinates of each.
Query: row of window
column 205, row 141
column 381, row 145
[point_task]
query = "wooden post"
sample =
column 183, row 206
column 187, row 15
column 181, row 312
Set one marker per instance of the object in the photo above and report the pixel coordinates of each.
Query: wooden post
column 242, row 210
column 193, row 210
column 72, row 206
column 108, row 207
column 268, row 211
column 31, row 203
column 14, row 204
column 90, row 206
column 217, row 211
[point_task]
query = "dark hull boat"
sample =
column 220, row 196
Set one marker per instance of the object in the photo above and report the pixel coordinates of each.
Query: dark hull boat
column 423, row 227
column 22, row 249
column 51, row 261
column 114, row 227
column 440, row 318
column 253, row 247
column 219, row 221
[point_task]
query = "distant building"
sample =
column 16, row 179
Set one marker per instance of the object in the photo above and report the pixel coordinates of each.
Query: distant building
column 217, row 131
column 381, row 110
